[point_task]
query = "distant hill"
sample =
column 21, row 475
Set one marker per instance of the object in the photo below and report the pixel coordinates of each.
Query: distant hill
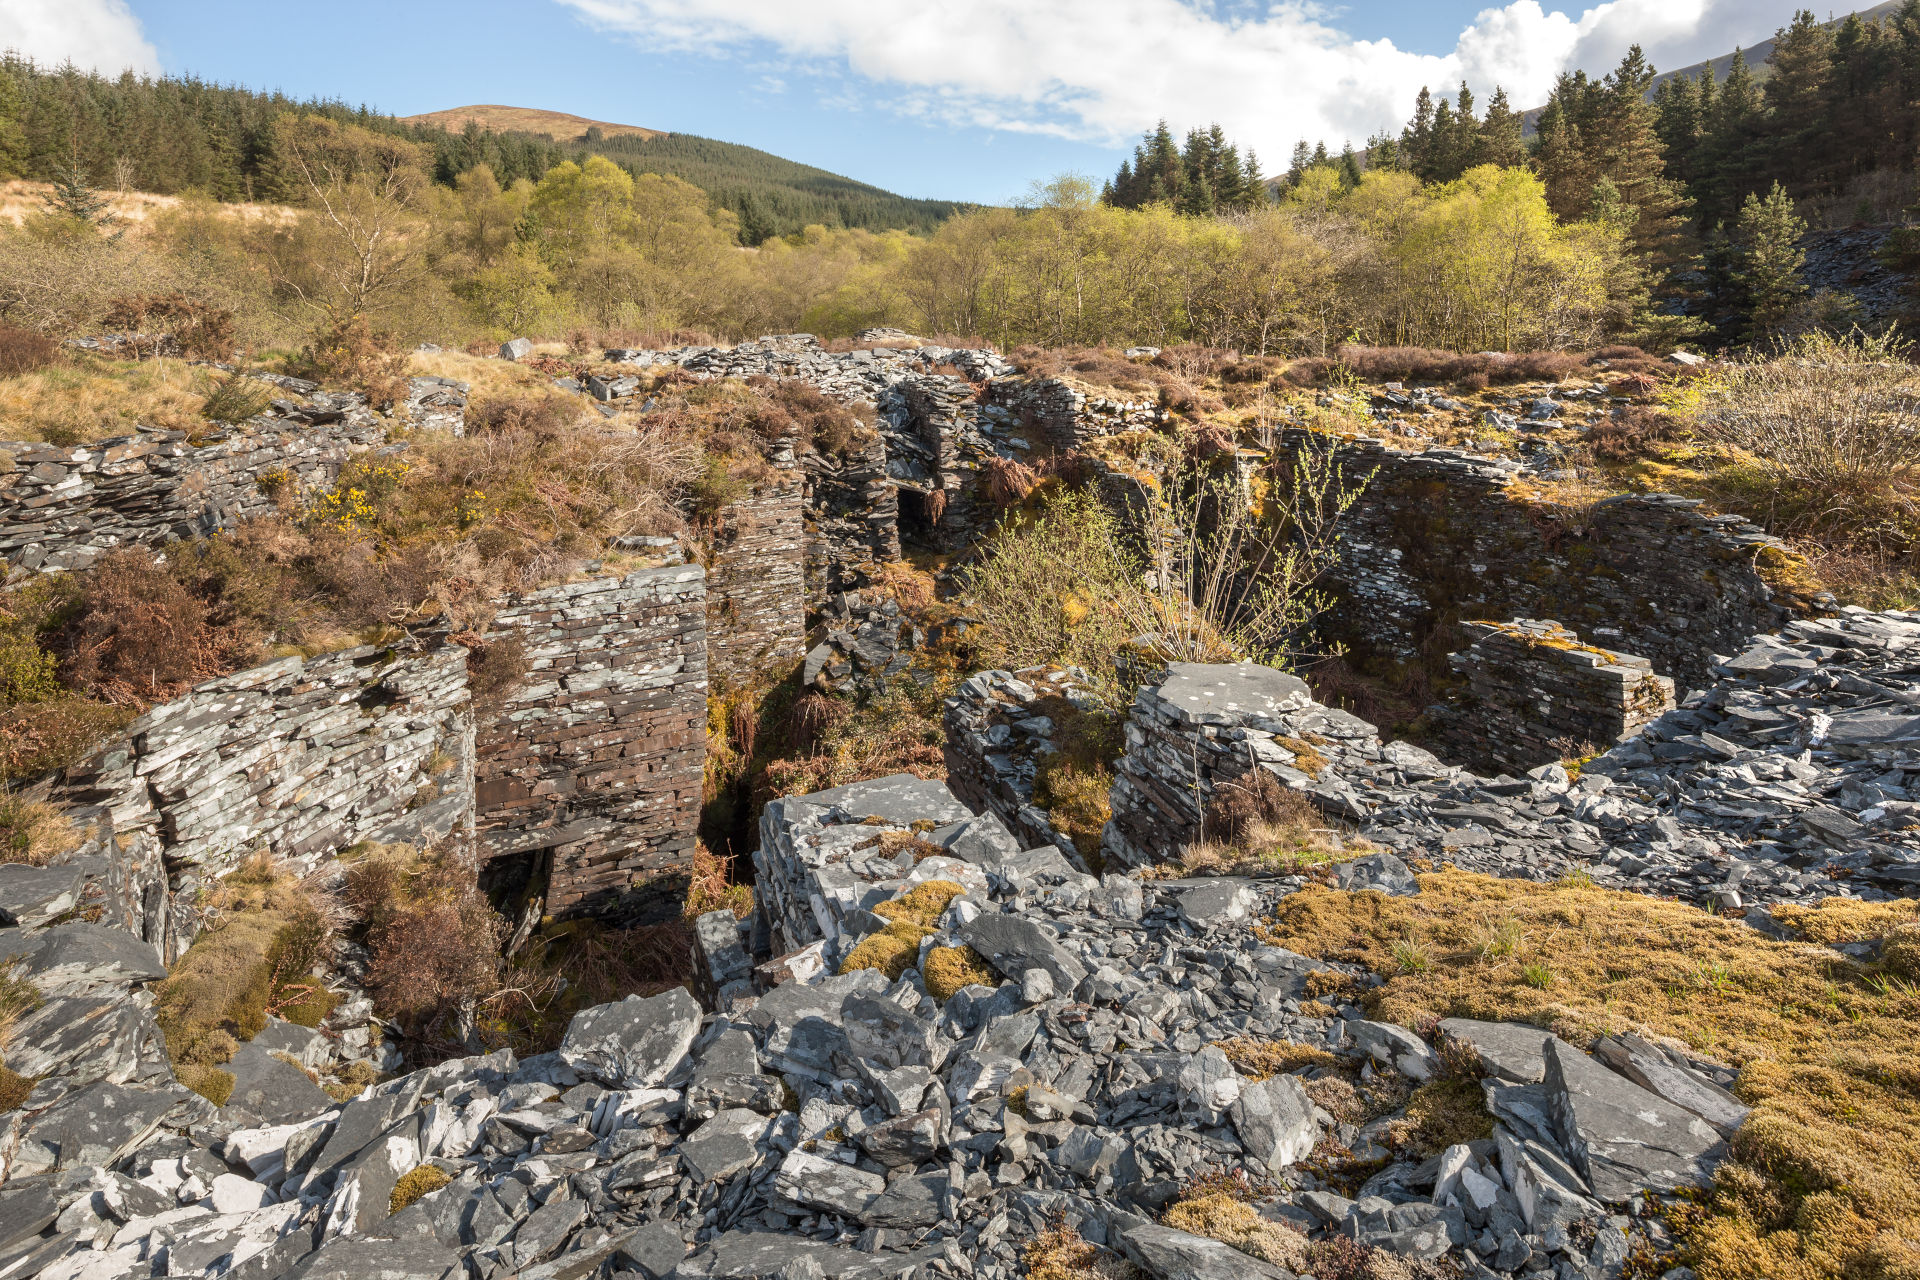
column 557, row 125
column 1756, row 55
column 771, row 195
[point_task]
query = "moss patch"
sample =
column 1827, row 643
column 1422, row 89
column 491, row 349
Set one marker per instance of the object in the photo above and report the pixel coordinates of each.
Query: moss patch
column 416, row 1183
column 892, row 951
column 1822, row 1179
column 211, row 1083
column 950, row 968
column 1263, row 1059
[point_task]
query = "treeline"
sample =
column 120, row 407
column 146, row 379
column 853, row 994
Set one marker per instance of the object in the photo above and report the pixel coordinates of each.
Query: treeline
column 1205, row 177
column 170, row 135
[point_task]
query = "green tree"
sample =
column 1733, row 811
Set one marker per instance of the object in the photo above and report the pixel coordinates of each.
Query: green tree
column 1768, row 258
column 1797, row 141
column 73, row 197
column 1501, row 140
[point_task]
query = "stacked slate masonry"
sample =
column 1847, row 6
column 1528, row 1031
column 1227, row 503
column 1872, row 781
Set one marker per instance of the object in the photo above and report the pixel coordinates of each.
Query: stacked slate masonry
column 299, row 758
column 756, row 578
column 1534, row 694
column 590, row 774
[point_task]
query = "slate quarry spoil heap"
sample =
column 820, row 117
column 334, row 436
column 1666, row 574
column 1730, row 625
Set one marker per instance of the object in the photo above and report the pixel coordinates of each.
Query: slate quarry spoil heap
column 961, row 1042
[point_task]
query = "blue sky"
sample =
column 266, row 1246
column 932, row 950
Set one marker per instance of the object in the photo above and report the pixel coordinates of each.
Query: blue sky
column 969, row 101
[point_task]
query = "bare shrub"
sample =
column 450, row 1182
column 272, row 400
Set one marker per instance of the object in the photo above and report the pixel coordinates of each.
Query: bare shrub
column 1228, row 581
column 138, row 631
column 23, row 351
column 351, row 351
column 201, row 330
column 1838, row 417
column 433, row 941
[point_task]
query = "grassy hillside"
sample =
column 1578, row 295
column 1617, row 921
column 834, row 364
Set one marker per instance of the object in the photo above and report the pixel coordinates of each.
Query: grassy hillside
column 772, row 196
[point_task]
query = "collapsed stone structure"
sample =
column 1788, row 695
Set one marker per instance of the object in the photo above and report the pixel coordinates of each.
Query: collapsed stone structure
column 1442, row 536
column 1045, row 1045
column 299, row 758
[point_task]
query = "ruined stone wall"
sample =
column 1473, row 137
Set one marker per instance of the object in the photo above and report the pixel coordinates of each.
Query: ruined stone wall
column 1533, row 694
column 853, row 519
column 299, row 757
column 947, row 423
column 62, row 507
column 594, row 763
column 1059, row 417
column 997, row 732
column 1441, row 536
column 756, row 581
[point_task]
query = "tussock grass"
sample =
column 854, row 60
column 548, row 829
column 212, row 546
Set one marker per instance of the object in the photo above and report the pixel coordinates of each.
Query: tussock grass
column 1058, row 1253
column 264, row 936
column 33, row 831
column 90, row 398
column 1823, row 1178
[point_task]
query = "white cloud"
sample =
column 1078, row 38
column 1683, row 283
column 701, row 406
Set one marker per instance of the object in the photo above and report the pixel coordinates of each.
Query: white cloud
column 101, row 34
column 1103, row 70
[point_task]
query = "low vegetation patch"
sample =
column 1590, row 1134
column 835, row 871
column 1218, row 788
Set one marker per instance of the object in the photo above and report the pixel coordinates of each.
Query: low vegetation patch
column 33, row 831
column 415, row 1183
column 1820, row 1181
column 266, row 935
column 1257, row 824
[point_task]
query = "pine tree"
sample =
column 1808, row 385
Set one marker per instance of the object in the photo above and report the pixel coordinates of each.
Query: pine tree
column 1349, row 168
column 1729, row 147
column 13, row 138
column 1802, row 60
column 1768, row 259
column 1416, row 140
column 1302, row 159
column 72, row 197
column 1502, row 140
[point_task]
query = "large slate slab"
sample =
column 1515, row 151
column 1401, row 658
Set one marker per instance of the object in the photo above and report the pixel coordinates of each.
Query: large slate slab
column 1014, row 944
column 1622, row 1137
column 273, row 1089
column 634, row 1044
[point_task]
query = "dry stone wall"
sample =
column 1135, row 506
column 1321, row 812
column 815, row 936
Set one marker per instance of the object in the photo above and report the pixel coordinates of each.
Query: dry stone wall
column 299, row 758
column 853, row 519
column 1534, row 694
column 593, row 765
column 756, row 580
column 997, row 732
column 1060, row 417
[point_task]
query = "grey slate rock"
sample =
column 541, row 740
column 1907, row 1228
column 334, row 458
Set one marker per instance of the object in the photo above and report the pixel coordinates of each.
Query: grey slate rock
column 1507, row 1050
column 27, row 1209
column 1215, row 906
column 1274, row 1118
column 32, row 895
column 1650, row 1068
column 1014, row 944
column 545, row 1230
column 724, row 1145
column 816, row 1183
column 904, row 1140
column 654, row 1250
column 1174, row 1255
column 93, row 1126
column 1622, row 1137
column 86, row 1038
column 74, row 959
column 634, row 1044
column 414, row 1257
column 898, row 797
column 276, row 1091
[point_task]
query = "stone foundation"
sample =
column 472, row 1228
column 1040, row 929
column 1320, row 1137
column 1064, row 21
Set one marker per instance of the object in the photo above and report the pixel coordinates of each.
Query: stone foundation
column 1534, row 694
column 997, row 731
column 593, row 766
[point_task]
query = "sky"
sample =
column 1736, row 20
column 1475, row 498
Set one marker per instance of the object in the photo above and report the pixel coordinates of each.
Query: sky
column 969, row 101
